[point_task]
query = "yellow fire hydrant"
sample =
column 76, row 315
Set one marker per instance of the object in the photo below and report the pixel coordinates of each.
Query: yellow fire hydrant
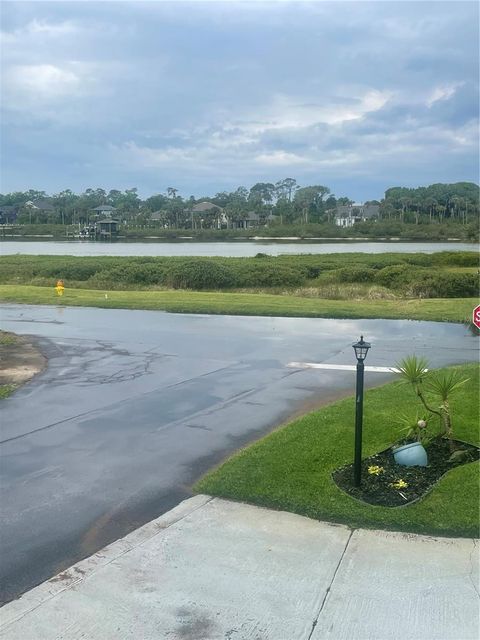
column 59, row 287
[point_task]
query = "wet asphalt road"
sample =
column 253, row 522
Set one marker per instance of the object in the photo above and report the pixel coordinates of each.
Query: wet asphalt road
column 135, row 405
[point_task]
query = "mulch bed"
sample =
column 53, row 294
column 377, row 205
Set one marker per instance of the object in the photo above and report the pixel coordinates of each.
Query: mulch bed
column 377, row 489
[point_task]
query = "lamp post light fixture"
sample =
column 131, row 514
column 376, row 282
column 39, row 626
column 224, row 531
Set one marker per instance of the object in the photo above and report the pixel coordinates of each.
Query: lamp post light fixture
column 361, row 349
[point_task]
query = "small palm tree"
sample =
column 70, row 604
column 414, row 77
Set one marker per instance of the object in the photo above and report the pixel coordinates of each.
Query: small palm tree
column 414, row 370
column 443, row 384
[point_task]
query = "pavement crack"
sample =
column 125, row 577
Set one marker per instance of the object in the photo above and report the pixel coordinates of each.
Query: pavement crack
column 198, row 426
column 329, row 588
column 472, row 568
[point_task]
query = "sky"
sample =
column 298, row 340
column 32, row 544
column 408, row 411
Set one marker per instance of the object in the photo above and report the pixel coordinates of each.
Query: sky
column 208, row 96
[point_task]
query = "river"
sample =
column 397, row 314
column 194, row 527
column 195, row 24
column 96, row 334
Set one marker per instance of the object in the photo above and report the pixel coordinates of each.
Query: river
column 227, row 249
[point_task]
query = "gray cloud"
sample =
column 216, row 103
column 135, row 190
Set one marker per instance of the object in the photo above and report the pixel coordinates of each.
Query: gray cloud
column 359, row 96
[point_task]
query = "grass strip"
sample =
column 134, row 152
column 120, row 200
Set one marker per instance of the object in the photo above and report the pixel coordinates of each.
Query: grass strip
column 291, row 468
column 246, row 304
column 6, row 390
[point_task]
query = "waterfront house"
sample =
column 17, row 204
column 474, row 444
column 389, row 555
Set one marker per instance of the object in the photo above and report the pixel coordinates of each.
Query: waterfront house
column 104, row 210
column 346, row 215
column 41, row 204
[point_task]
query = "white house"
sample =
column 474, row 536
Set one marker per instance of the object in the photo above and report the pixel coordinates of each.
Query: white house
column 204, row 209
column 346, row 215
column 105, row 210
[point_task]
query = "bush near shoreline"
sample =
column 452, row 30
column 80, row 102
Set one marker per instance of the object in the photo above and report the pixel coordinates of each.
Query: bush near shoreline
column 444, row 274
column 376, row 230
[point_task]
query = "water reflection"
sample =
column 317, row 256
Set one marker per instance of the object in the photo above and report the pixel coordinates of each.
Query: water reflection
column 241, row 339
column 232, row 249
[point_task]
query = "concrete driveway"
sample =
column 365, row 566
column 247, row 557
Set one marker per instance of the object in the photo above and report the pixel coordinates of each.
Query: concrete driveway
column 135, row 405
column 217, row 570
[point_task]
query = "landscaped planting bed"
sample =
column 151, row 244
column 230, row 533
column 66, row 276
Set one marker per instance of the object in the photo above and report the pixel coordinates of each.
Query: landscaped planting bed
column 386, row 483
column 292, row 468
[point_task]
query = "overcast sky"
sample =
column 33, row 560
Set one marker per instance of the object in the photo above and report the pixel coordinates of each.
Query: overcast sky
column 204, row 97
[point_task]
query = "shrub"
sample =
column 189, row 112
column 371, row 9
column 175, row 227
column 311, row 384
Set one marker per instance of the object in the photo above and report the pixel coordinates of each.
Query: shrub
column 199, row 274
column 456, row 258
column 380, row 261
column 266, row 274
column 443, row 285
column 70, row 270
column 355, row 274
column 420, row 259
column 395, row 276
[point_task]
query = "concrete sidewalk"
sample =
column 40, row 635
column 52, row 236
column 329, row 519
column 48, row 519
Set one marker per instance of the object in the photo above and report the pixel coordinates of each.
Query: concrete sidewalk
column 211, row 569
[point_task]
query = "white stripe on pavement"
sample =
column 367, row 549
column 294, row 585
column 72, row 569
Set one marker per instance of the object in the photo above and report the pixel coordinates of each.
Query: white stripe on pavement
column 339, row 367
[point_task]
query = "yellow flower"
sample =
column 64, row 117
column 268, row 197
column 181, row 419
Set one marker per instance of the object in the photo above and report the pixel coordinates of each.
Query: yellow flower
column 375, row 470
column 399, row 484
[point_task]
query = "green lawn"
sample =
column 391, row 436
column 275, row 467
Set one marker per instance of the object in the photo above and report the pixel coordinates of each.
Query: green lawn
column 6, row 390
column 6, row 340
column 291, row 468
column 438, row 309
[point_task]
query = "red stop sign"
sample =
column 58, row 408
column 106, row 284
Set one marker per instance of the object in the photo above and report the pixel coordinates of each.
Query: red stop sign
column 476, row 316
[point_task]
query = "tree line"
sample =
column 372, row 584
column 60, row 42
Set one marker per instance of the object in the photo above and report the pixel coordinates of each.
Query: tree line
column 284, row 202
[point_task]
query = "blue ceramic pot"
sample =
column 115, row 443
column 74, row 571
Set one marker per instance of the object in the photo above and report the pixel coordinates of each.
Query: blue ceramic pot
column 411, row 455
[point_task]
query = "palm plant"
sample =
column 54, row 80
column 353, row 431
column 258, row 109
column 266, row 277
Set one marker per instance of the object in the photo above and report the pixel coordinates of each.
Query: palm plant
column 415, row 427
column 414, row 370
column 443, row 384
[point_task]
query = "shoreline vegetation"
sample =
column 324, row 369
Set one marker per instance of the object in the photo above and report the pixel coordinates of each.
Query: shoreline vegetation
column 439, row 286
column 281, row 209
column 378, row 231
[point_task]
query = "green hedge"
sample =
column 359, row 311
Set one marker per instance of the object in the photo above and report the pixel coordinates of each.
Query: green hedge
column 356, row 274
column 412, row 274
column 442, row 285
column 396, row 276
column 199, row 274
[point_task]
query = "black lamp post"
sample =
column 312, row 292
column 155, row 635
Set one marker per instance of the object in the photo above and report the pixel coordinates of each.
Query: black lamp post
column 361, row 349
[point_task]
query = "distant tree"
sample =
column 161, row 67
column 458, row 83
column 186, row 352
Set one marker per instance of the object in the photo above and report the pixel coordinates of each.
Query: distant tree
column 175, row 209
column 114, row 197
column 344, row 201
column 221, row 199
column 156, row 202
column 241, row 193
column 261, row 193
column 285, row 188
column 284, row 209
column 436, row 202
column 439, row 202
column 64, row 203
column 309, row 201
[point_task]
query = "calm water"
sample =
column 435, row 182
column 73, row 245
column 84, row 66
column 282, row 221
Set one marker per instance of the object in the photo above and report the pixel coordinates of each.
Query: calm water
column 238, row 249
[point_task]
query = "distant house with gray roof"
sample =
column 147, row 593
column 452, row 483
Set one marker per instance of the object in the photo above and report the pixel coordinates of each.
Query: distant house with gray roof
column 202, row 207
column 205, row 208
column 104, row 210
column 346, row 215
column 41, row 204
column 251, row 219
column 159, row 216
